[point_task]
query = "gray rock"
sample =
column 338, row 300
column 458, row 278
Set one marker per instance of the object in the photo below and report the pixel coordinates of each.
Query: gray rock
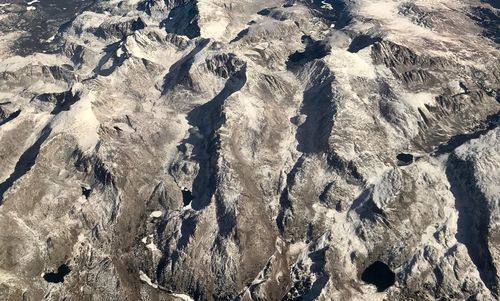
column 250, row 150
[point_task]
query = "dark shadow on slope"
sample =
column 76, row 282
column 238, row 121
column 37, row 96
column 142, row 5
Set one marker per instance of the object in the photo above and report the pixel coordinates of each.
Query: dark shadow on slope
column 313, row 50
column 208, row 118
column 454, row 142
column 348, row 168
column 366, row 208
column 488, row 19
column 361, row 42
column 25, row 162
column 266, row 11
column 188, row 228
column 474, row 216
column 307, row 287
column 178, row 72
column 9, row 117
column 322, row 277
column 240, row 35
column 319, row 107
column 274, row 13
column 103, row 67
column 62, row 101
column 183, row 20
column 146, row 6
column 493, row 3
column 338, row 15
column 226, row 220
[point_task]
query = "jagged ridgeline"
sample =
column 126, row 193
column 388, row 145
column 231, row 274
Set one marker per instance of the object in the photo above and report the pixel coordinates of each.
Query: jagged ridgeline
column 249, row 150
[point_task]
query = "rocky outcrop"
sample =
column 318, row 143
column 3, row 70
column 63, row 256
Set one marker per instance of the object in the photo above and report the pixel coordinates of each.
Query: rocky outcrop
column 251, row 150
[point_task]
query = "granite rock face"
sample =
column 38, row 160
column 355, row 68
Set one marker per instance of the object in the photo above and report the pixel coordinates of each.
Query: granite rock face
column 250, row 150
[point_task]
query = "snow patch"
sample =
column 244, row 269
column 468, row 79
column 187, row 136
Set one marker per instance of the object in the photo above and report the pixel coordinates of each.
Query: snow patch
column 183, row 297
column 419, row 100
column 296, row 248
column 326, row 5
column 146, row 279
column 156, row 214
column 50, row 39
column 351, row 64
column 151, row 245
column 79, row 122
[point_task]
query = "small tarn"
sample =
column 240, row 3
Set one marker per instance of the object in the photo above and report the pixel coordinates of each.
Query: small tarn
column 58, row 277
column 404, row 159
column 265, row 11
column 86, row 191
column 187, row 196
column 380, row 275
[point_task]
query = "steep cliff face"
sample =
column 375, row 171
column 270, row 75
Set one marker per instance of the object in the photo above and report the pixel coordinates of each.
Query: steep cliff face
column 250, row 150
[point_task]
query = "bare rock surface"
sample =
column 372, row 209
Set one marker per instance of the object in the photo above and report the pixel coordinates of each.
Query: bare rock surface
column 249, row 150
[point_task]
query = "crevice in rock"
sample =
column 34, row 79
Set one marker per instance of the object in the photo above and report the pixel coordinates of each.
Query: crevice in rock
column 286, row 208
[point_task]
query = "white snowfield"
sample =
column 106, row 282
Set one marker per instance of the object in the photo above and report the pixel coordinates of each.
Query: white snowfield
column 252, row 150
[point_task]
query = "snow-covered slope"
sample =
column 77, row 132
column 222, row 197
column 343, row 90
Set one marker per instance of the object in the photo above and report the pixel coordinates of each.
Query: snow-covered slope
column 250, row 150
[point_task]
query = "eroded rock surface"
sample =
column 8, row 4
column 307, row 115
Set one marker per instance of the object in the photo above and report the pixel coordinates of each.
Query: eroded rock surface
column 250, row 150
